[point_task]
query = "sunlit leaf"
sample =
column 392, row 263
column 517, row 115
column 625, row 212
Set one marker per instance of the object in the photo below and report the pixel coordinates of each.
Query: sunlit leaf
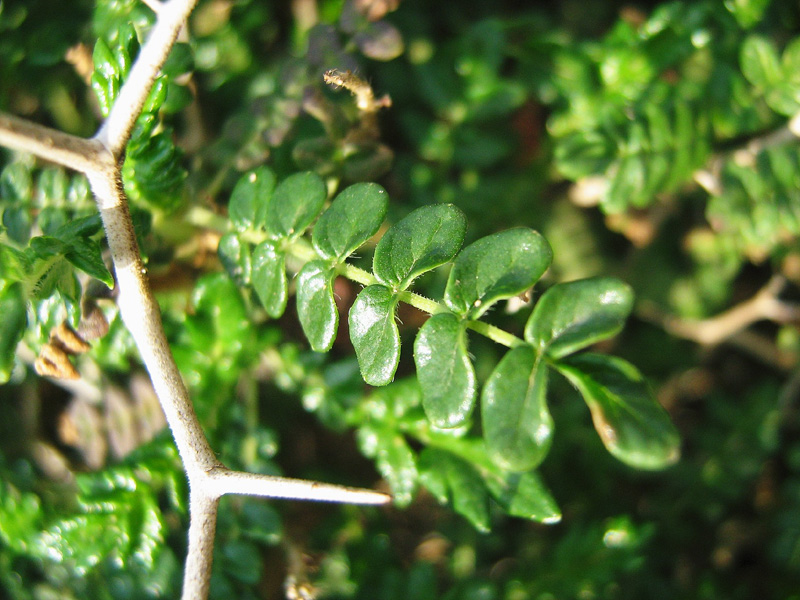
column 496, row 267
column 444, row 370
column 353, row 217
column 295, row 203
column 571, row 316
column 517, row 424
column 316, row 306
column 269, row 278
column 428, row 237
column 374, row 334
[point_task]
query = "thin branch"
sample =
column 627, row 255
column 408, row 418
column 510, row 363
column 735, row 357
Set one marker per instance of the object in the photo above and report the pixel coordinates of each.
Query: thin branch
column 61, row 148
column 141, row 315
column 200, row 554
column 116, row 130
column 765, row 305
column 222, row 481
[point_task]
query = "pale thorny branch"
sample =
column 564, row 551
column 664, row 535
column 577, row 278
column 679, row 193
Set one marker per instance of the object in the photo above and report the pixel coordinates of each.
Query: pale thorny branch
column 100, row 159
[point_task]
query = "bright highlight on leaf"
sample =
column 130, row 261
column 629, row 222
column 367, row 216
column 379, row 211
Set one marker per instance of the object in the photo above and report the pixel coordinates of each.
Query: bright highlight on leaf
column 374, row 334
column 517, row 425
column 316, row 307
column 269, row 278
column 444, row 370
column 571, row 316
column 427, row 238
column 633, row 426
column 496, row 267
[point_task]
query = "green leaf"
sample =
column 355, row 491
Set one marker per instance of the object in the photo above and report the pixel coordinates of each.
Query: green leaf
column 12, row 326
column 747, row 12
column 234, row 254
column 353, row 217
column 450, row 478
column 444, row 370
column 525, row 495
column 496, row 267
column 759, row 62
column 269, row 278
column 571, row 316
column 394, row 459
column 633, row 426
column 428, row 237
column 374, row 334
column 316, row 306
column 250, row 198
column 83, row 227
column 85, row 254
column 296, row 202
column 517, row 425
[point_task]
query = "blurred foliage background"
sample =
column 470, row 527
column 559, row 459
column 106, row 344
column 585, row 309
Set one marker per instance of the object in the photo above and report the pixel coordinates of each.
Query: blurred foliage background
column 651, row 141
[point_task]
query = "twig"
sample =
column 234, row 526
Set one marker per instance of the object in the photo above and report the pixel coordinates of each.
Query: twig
column 765, row 305
column 61, row 148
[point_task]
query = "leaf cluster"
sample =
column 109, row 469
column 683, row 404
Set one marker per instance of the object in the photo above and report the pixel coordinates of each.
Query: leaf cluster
column 517, row 426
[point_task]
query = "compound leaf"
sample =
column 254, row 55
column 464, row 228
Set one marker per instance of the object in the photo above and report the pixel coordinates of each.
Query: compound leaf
column 250, row 198
column 296, row 202
column 444, row 370
column 269, row 278
column 316, row 306
column 517, row 425
column 496, row 267
column 633, row 426
column 353, row 217
column 428, row 237
column 571, row 316
column 374, row 334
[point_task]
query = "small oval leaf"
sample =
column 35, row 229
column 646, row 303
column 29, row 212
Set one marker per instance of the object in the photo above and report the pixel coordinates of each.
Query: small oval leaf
column 296, row 202
column 517, row 425
column 374, row 334
column 269, row 278
column 428, row 237
column 250, row 198
column 496, row 267
column 316, row 307
column 444, row 370
column 353, row 217
column 234, row 254
column 633, row 426
column 571, row 316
